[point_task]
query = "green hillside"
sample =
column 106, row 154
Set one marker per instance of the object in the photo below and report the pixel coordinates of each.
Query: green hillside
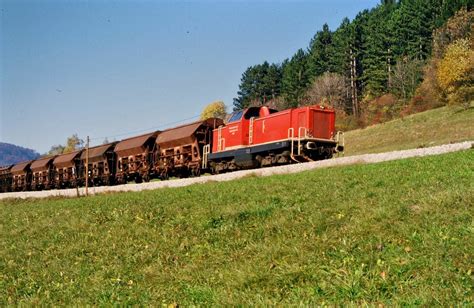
column 424, row 129
column 398, row 232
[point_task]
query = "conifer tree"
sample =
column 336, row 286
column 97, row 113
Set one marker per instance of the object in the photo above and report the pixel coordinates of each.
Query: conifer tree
column 295, row 79
column 320, row 52
column 272, row 82
column 258, row 83
column 342, row 40
column 377, row 45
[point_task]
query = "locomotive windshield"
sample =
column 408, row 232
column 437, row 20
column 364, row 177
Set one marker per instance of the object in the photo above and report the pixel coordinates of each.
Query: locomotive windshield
column 236, row 116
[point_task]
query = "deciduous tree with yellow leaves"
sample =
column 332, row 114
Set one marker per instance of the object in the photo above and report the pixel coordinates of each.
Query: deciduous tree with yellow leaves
column 215, row 109
column 456, row 73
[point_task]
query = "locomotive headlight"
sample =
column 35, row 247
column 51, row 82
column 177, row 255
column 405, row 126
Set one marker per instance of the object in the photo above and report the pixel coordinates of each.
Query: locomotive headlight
column 311, row 145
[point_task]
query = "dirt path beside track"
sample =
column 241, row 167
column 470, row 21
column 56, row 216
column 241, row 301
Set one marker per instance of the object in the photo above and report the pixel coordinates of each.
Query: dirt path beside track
column 339, row 161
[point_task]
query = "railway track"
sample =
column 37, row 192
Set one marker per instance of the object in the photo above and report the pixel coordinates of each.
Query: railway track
column 286, row 169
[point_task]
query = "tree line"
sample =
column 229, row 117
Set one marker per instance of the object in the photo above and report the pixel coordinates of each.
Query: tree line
column 382, row 50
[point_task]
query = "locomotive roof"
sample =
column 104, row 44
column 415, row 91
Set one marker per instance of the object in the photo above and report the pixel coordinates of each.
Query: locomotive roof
column 66, row 158
column 185, row 130
column 20, row 167
column 41, row 163
column 98, row 151
column 134, row 142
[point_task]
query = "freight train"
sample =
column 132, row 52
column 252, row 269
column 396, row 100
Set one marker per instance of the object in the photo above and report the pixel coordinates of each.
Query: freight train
column 250, row 138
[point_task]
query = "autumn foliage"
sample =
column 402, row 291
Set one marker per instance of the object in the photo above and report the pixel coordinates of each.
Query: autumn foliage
column 215, row 109
column 456, row 73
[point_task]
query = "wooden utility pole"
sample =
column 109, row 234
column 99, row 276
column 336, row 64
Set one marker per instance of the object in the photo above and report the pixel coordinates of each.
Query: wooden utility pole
column 87, row 167
column 421, row 50
column 352, row 86
column 355, row 104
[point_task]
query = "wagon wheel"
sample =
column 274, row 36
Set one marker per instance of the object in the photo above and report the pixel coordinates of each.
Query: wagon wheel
column 184, row 174
column 196, row 172
column 138, row 179
column 164, row 176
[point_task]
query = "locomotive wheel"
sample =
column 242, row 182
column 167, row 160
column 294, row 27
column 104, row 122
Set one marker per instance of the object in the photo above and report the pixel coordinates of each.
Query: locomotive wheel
column 184, row 174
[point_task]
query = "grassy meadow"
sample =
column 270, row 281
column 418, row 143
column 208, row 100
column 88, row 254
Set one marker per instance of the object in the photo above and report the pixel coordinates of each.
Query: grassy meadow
column 394, row 233
column 424, row 129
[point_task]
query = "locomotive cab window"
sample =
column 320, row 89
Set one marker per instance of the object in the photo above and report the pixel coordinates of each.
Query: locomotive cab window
column 257, row 112
column 236, row 116
column 252, row 112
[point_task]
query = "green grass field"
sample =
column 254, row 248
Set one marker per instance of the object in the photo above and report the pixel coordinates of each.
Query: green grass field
column 424, row 129
column 394, row 233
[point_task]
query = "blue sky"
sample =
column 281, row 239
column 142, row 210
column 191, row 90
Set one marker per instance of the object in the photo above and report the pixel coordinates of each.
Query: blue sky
column 115, row 68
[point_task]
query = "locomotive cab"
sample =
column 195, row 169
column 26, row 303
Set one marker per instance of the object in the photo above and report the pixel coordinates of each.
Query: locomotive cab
column 239, row 126
column 252, row 112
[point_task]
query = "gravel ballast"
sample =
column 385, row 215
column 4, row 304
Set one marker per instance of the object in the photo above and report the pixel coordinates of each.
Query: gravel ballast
column 339, row 161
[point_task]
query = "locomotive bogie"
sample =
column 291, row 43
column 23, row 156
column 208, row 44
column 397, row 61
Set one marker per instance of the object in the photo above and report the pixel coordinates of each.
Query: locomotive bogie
column 251, row 157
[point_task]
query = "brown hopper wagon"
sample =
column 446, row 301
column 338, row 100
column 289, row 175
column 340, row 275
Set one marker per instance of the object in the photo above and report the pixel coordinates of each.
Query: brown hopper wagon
column 102, row 164
column 42, row 173
column 135, row 158
column 21, row 176
column 66, row 167
column 180, row 149
column 5, row 178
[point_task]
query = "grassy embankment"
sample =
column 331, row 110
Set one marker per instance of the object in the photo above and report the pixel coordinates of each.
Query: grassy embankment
column 398, row 232
column 424, row 129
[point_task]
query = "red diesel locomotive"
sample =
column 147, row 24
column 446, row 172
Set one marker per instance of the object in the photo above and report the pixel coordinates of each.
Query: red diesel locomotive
column 250, row 138
column 259, row 137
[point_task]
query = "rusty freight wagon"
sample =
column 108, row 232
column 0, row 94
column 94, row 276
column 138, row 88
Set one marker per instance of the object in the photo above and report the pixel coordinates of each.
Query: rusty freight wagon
column 21, row 176
column 42, row 173
column 5, row 178
column 102, row 163
column 135, row 158
column 66, row 167
column 180, row 149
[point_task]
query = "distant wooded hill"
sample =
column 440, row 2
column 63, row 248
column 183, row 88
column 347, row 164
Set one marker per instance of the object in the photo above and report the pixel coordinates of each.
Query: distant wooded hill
column 12, row 154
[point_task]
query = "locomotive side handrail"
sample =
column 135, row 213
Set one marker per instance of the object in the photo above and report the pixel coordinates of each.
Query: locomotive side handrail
column 302, row 134
column 301, row 128
column 205, row 155
column 252, row 119
column 291, row 135
column 219, row 138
